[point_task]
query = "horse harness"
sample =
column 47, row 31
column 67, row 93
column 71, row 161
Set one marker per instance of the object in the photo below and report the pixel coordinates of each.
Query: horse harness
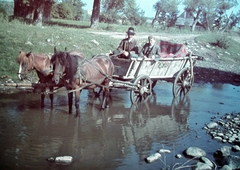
column 81, row 76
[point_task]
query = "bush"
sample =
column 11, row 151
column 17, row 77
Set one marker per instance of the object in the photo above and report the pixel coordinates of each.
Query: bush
column 3, row 18
column 3, row 15
column 223, row 42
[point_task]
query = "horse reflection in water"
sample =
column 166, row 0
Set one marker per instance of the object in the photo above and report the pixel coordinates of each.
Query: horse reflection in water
column 79, row 74
column 41, row 63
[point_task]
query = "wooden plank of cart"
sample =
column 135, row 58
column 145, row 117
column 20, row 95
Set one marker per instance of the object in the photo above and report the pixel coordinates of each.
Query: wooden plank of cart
column 140, row 76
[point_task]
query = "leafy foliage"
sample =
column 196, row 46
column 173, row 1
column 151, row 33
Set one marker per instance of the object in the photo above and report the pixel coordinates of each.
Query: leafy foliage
column 2, row 10
column 7, row 7
column 212, row 14
column 68, row 10
column 123, row 11
column 166, row 12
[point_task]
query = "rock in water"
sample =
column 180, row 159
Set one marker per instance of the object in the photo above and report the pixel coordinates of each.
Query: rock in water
column 61, row 159
column 232, row 161
column 212, row 125
column 153, row 158
column 195, row 152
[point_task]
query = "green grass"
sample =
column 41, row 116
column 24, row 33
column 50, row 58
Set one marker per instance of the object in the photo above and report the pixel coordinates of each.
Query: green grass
column 232, row 46
column 16, row 36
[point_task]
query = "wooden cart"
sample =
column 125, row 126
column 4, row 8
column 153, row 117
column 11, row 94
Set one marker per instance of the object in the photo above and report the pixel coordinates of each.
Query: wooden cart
column 140, row 76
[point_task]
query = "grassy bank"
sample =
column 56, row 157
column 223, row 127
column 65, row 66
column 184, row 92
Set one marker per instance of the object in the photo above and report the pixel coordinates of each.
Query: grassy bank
column 16, row 36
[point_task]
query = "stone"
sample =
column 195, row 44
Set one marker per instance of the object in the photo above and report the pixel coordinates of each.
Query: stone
column 195, row 152
column 223, row 151
column 232, row 161
column 218, row 138
column 178, row 156
column 164, row 151
column 225, row 167
column 201, row 166
column 207, row 161
column 236, row 148
column 154, row 157
column 212, row 125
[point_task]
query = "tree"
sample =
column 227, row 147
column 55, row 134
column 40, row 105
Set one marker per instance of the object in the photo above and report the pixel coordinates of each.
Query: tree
column 234, row 20
column 7, row 6
column 166, row 12
column 112, row 11
column 195, row 8
column 210, row 14
column 68, row 9
column 33, row 9
column 133, row 13
column 125, row 11
column 223, row 20
column 95, row 14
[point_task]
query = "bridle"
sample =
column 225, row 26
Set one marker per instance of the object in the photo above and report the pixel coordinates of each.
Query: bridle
column 60, row 74
column 27, row 66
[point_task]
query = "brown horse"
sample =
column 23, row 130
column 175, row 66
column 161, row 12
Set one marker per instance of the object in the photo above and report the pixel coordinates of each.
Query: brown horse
column 41, row 63
column 83, row 74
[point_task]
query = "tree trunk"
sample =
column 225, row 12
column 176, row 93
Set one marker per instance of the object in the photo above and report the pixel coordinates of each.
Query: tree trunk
column 155, row 18
column 47, row 11
column 227, row 23
column 95, row 14
column 38, row 16
column 20, row 9
column 195, row 20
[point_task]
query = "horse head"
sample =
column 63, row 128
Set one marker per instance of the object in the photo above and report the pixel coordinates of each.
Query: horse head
column 24, row 64
column 59, row 62
column 63, row 65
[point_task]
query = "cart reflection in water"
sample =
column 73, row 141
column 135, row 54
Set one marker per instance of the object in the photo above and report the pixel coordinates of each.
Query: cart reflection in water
column 147, row 123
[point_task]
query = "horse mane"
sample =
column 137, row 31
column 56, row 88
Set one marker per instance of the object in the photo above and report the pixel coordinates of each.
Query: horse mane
column 69, row 61
column 72, row 66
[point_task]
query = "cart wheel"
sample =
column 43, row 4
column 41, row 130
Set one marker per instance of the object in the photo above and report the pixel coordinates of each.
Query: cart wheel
column 183, row 83
column 139, row 114
column 143, row 89
column 180, row 109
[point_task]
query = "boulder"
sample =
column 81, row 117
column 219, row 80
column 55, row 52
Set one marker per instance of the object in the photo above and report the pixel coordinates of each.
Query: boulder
column 232, row 161
column 195, row 152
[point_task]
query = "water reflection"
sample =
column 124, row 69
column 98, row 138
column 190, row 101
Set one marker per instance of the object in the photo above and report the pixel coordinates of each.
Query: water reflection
column 30, row 134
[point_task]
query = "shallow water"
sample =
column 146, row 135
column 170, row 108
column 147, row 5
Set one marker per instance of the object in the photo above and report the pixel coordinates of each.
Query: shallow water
column 120, row 137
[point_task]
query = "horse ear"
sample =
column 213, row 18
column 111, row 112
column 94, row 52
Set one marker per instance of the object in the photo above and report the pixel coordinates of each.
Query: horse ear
column 28, row 54
column 55, row 50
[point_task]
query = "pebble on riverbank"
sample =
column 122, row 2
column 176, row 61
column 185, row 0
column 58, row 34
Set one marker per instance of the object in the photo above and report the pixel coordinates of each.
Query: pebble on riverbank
column 226, row 129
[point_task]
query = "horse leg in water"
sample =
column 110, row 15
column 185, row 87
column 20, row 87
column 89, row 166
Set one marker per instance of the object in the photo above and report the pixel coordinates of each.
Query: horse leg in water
column 43, row 88
column 70, row 98
column 51, row 95
column 77, row 99
column 105, row 103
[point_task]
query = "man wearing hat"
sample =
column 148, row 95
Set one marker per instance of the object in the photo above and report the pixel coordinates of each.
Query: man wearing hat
column 150, row 49
column 128, row 46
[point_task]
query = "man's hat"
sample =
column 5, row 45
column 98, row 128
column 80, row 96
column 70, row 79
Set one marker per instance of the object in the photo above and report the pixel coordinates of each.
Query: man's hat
column 130, row 31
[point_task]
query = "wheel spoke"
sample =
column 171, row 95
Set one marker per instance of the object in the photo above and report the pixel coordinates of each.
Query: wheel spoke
column 144, row 88
column 183, row 82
